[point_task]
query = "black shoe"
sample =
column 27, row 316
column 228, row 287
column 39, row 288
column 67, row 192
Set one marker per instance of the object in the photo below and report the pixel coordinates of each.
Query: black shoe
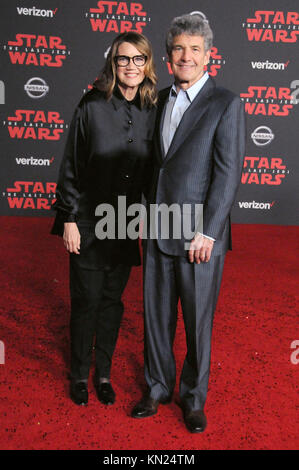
column 105, row 393
column 147, row 406
column 79, row 393
column 195, row 420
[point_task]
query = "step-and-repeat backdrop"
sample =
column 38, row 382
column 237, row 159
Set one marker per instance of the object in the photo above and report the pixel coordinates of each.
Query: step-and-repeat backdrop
column 52, row 50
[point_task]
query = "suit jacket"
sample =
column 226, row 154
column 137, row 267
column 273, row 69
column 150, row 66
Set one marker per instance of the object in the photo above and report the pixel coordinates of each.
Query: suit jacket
column 203, row 164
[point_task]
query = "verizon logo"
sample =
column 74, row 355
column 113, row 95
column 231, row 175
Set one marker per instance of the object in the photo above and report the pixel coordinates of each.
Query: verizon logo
column 34, row 161
column 36, row 12
column 256, row 205
column 270, row 65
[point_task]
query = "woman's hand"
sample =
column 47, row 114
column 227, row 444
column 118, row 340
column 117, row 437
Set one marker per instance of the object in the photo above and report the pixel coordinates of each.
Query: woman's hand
column 71, row 237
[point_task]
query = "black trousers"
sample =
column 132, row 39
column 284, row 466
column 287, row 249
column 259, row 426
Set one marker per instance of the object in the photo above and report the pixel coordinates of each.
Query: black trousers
column 166, row 280
column 96, row 311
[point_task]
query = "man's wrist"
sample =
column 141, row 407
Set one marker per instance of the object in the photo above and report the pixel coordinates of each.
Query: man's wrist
column 206, row 236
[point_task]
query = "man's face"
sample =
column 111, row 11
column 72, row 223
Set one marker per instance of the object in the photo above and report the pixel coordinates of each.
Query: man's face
column 188, row 59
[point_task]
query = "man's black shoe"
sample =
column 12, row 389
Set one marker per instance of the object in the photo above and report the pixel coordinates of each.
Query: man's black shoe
column 195, row 420
column 105, row 393
column 79, row 393
column 147, row 406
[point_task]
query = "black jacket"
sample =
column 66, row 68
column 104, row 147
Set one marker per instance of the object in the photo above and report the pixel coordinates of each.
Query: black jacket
column 107, row 154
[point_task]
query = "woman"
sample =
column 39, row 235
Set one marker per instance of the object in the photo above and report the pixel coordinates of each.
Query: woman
column 107, row 155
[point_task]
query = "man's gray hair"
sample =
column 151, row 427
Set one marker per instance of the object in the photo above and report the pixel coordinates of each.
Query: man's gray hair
column 193, row 25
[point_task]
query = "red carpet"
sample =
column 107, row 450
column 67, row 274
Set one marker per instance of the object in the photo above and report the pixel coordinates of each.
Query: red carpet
column 253, row 395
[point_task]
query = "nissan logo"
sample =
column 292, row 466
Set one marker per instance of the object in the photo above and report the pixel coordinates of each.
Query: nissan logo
column 36, row 88
column 262, row 136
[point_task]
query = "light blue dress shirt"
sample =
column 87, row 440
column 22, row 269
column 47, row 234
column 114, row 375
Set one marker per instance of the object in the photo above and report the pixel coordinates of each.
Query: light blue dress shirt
column 178, row 103
column 176, row 106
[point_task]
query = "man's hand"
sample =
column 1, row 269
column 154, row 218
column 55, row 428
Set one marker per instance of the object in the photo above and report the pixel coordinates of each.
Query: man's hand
column 200, row 249
column 71, row 237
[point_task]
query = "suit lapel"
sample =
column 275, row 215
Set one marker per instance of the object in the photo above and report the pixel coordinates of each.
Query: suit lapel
column 159, row 124
column 162, row 151
column 190, row 118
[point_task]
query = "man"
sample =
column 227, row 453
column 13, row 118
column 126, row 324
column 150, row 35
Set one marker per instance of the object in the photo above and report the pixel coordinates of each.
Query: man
column 199, row 149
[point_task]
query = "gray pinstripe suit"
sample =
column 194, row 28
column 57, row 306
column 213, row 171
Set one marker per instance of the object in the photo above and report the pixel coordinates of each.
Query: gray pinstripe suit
column 202, row 165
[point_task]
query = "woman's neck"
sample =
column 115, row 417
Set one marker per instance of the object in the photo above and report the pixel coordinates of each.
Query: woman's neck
column 129, row 93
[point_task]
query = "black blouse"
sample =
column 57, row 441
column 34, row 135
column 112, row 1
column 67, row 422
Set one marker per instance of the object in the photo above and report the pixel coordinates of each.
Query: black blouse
column 107, row 154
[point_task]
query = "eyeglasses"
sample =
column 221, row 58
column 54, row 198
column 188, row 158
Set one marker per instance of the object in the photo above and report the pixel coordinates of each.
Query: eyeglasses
column 124, row 60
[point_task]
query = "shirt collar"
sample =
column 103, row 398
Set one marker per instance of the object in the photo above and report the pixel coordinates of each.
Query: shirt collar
column 119, row 100
column 193, row 91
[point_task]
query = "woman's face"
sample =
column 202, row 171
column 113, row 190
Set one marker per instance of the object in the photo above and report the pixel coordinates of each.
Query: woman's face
column 131, row 75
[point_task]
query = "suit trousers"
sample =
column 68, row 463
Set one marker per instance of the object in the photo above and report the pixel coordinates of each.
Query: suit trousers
column 96, row 311
column 166, row 280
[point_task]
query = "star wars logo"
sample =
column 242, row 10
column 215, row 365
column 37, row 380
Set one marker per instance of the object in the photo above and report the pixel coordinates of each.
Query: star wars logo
column 273, row 26
column 117, row 17
column 30, row 195
column 36, row 125
column 268, row 100
column 38, row 50
column 264, row 170
column 215, row 64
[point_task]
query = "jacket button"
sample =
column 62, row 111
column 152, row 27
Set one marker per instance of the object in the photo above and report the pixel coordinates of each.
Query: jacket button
column 130, row 122
column 130, row 141
column 127, row 176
